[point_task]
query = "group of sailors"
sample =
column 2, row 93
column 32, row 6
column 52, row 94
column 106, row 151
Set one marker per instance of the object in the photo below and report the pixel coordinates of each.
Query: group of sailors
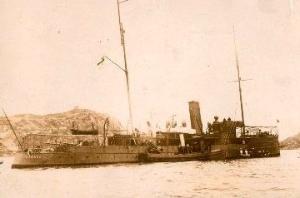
column 185, row 149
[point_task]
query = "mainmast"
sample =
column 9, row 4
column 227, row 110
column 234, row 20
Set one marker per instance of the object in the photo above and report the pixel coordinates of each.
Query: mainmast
column 122, row 31
column 239, row 82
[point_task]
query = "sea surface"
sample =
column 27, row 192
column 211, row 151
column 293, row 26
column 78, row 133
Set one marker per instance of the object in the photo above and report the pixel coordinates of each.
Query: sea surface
column 263, row 177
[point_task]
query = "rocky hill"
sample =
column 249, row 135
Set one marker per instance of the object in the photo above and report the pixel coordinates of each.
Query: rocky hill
column 56, row 124
column 291, row 142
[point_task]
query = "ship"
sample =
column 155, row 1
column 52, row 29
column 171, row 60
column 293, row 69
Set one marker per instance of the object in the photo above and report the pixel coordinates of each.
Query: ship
column 222, row 140
column 74, row 150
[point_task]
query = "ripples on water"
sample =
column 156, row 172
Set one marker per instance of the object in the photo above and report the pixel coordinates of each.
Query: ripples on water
column 263, row 177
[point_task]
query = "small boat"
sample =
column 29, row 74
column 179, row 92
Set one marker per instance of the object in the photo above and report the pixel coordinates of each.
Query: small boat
column 174, row 157
column 84, row 132
column 1, row 162
column 217, row 155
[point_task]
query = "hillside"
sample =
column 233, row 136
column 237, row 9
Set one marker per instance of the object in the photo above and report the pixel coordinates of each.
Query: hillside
column 291, row 142
column 58, row 124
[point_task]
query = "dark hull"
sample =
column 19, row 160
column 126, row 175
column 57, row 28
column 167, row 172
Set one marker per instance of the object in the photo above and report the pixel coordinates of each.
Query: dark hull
column 239, row 151
column 112, row 154
column 135, row 154
column 61, row 159
column 84, row 156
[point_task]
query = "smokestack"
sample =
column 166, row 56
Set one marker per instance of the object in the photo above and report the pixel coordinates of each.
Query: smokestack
column 195, row 117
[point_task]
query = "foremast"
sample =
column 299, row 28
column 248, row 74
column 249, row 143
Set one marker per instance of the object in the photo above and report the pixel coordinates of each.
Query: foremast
column 122, row 31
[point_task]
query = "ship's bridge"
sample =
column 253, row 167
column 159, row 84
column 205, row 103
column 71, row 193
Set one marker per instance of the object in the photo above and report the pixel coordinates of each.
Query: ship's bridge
column 259, row 131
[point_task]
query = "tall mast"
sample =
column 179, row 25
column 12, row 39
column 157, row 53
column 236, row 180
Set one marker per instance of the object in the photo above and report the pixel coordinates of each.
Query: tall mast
column 122, row 31
column 239, row 82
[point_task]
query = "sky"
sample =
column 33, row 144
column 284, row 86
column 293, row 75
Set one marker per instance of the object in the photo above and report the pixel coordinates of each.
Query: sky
column 177, row 51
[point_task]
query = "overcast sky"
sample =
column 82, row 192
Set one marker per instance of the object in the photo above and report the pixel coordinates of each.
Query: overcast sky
column 178, row 50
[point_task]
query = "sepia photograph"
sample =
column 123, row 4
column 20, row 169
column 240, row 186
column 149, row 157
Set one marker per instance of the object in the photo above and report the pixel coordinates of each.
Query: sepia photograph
column 149, row 98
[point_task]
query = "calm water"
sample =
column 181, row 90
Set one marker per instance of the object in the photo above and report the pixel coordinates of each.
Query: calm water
column 268, row 177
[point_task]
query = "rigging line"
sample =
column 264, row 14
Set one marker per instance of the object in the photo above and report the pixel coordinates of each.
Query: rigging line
column 13, row 130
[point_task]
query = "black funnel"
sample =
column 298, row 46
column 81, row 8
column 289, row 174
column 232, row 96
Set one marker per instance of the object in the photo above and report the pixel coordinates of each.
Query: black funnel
column 195, row 117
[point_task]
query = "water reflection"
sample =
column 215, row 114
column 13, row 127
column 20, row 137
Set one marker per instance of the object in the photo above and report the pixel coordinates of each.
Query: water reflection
column 264, row 177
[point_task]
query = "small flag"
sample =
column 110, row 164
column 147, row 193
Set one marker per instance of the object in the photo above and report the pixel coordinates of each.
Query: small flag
column 101, row 61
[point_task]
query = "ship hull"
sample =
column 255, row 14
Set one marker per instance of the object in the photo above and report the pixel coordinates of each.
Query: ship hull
column 80, row 156
column 84, row 156
column 254, row 147
column 63, row 159
column 239, row 151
